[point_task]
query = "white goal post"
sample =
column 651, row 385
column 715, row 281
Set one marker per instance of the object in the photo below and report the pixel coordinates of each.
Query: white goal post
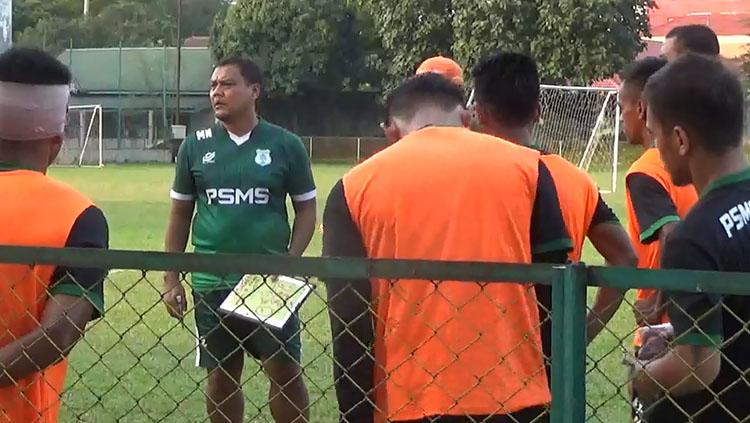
column 581, row 124
column 83, row 143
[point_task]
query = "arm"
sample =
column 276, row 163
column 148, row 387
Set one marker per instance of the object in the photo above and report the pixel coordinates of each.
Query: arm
column 612, row 242
column 62, row 325
column 656, row 215
column 304, row 226
column 694, row 363
column 76, row 297
column 350, row 316
column 183, row 195
column 301, row 187
column 650, row 310
column 550, row 243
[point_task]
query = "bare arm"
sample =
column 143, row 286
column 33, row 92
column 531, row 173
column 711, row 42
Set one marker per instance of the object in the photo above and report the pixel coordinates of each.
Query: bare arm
column 684, row 370
column 178, row 231
column 61, row 327
column 611, row 241
column 649, row 311
column 304, row 226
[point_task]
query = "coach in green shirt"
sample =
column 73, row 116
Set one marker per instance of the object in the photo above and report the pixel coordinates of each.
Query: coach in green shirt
column 239, row 172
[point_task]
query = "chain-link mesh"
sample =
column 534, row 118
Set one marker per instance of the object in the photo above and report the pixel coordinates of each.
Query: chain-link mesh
column 580, row 124
column 627, row 358
column 138, row 364
column 475, row 351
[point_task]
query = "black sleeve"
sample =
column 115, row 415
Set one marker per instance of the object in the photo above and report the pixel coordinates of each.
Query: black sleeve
column 90, row 230
column 652, row 205
column 603, row 213
column 548, row 233
column 349, row 313
column 696, row 317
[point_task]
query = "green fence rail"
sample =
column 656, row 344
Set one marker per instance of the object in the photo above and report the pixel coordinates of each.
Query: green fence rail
column 569, row 285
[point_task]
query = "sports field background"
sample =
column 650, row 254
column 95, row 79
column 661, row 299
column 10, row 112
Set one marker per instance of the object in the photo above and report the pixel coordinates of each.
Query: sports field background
column 137, row 364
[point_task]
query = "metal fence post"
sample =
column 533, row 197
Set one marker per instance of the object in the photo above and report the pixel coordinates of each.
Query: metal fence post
column 569, row 345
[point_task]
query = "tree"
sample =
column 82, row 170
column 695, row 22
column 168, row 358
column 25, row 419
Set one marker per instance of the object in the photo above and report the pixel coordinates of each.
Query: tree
column 301, row 44
column 52, row 24
column 573, row 40
column 410, row 31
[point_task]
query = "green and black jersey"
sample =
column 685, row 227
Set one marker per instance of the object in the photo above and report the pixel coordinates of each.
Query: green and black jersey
column 715, row 236
column 240, row 185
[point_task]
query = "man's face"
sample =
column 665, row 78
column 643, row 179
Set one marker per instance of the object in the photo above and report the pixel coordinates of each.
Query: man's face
column 231, row 95
column 670, row 49
column 673, row 146
column 631, row 108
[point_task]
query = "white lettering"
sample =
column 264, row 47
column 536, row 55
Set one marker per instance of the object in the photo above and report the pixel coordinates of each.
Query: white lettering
column 226, row 196
column 204, row 134
column 236, row 196
column 735, row 213
column 745, row 212
column 726, row 221
column 211, row 195
column 244, row 196
column 262, row 195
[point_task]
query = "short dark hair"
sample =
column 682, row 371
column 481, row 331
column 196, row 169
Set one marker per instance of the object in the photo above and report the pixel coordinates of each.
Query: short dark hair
column 700, row 94
column 418, row 91
column 509, row 83
column 637, row 73
column 696, row 38
column 249, row 70
column 33, row 67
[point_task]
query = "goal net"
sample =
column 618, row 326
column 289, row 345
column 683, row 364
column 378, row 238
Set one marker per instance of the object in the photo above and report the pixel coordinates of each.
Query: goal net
column 83, row 145
column 582, row 125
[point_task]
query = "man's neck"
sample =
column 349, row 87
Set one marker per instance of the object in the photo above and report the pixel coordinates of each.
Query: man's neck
column 648, row 139
column 241, row 126
column 520, row 136
column 709, row 168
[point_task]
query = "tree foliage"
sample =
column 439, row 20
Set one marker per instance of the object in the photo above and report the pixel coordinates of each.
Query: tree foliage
column 53, row 24
column 300, row 43
column 410, row 31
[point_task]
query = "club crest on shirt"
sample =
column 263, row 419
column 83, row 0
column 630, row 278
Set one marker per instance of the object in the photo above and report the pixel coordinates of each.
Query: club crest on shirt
column 263, row 157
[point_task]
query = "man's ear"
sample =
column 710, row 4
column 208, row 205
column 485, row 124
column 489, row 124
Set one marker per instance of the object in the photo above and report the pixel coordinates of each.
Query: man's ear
column 537, row 113
column 642, row 109
column 683, row 141
column 391, row 131
column 55, row 145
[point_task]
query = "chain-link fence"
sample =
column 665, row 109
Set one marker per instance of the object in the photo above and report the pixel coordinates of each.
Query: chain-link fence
column 424, row 339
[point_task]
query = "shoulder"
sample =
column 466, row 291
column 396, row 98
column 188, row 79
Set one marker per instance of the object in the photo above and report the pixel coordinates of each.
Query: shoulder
column 63, row 190
column 279, row 133
column 566, row 170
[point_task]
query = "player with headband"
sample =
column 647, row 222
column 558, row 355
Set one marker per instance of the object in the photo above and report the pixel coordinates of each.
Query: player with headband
column 45, row 308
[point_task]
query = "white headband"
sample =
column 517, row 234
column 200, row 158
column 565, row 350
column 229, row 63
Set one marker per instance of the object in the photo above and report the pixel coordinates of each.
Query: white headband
column 32, row 112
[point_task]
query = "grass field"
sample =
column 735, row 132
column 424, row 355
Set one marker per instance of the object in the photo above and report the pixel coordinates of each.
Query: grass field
column 137, row 364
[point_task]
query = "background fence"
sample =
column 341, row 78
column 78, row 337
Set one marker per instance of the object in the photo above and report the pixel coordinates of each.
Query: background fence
column 136, row 364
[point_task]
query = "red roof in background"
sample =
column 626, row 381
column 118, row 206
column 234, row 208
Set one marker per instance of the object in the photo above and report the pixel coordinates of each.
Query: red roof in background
column 725, row 17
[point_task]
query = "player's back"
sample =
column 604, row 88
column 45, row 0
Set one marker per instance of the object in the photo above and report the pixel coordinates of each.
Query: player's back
column 451, row 347
column 578, row 198
column 39, row 212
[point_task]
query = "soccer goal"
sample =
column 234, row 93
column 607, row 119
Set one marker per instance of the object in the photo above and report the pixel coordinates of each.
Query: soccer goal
column 83, row 144
column 582, row 124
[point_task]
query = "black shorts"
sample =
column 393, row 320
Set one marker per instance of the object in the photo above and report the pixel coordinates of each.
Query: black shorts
column 222, row 337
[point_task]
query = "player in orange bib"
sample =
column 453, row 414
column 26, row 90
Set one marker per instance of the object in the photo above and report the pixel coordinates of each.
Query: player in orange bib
column 654, row 203
column 507, row 106
column 43, row 309
column 441, row 351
